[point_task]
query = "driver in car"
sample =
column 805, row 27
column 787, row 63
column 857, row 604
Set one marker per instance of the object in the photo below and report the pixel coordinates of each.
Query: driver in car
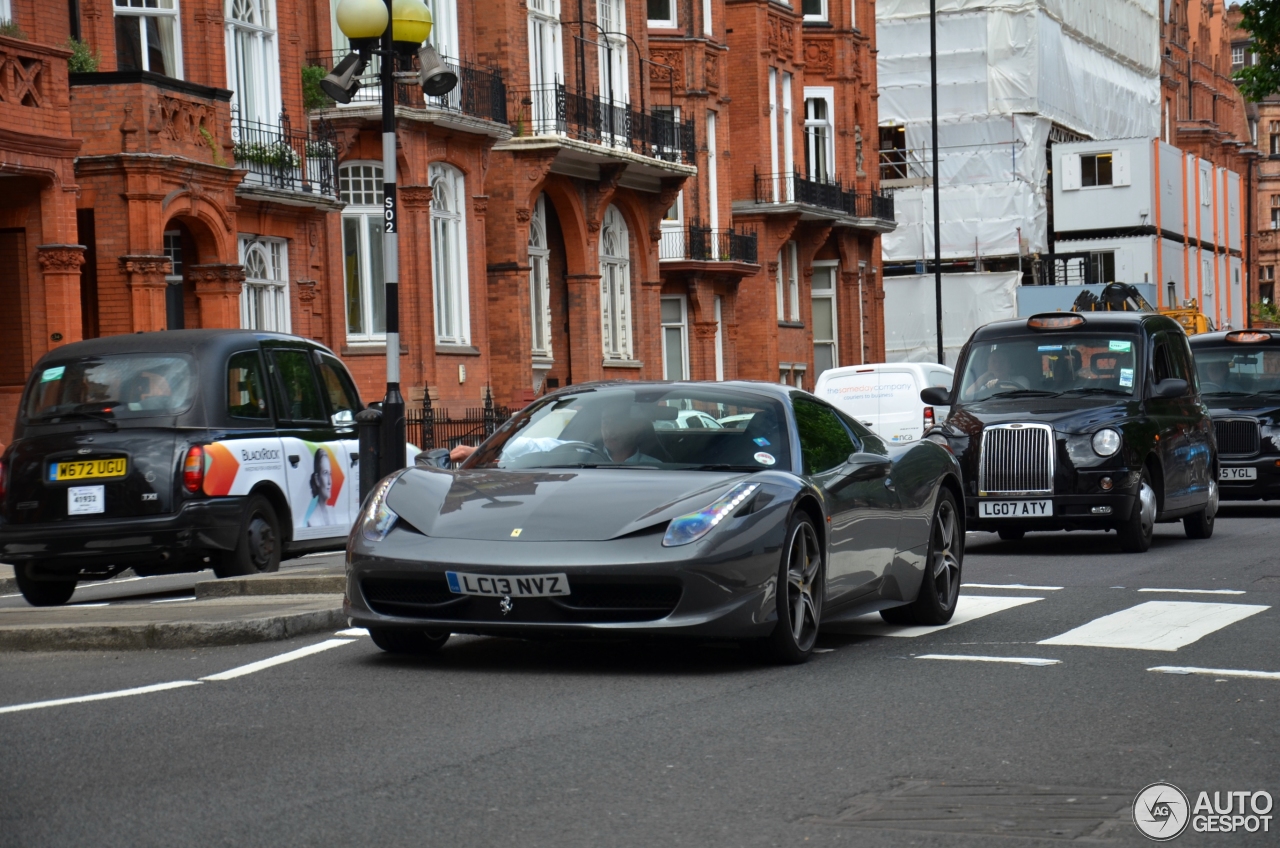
column 619, row 431
column 999, row 370
column 1216, row 372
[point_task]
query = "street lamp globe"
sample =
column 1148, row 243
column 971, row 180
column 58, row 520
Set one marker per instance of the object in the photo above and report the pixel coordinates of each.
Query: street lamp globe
column 410, row 22
column 362, row 20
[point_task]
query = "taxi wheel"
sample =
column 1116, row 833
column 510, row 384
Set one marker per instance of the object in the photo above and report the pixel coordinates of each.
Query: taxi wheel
column 258, row 545
column 1011, row 535
column 1200, row 525
column 411, row 642
column 1135, row 534
column 43, row 593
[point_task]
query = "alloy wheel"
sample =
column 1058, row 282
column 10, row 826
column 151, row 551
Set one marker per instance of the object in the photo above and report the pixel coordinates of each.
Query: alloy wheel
column 1147, row 499
column 804, row 570
column 946, row 564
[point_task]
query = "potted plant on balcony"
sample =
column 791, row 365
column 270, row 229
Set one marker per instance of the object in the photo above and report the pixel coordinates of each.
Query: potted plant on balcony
column 275, row 160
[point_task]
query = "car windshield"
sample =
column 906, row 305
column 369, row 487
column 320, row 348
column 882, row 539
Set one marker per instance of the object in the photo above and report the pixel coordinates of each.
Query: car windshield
column 1050, row 365
column 131, row 385
column 1238, row 369
column 643, row 427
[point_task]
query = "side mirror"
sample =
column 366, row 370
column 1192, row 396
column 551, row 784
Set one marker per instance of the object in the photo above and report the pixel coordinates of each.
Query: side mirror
column 437, row 458
column 936, row 396
column 867, row 466
column 1173, row 387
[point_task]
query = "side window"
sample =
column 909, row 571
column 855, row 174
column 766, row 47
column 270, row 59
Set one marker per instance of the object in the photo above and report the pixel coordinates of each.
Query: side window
column 344, row 402
column 246, row 390
column 1188, row 364
column 824, row 442
column 300, row 399
column 1160, row 359
column 859, row 430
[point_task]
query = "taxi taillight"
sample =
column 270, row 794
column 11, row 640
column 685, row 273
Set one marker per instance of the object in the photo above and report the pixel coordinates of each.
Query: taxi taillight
column 193, row 469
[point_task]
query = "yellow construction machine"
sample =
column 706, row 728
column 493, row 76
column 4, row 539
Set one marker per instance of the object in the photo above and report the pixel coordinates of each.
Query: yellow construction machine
column 1121, row 297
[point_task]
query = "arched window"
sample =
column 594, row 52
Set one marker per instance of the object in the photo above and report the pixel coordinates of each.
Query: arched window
column 360, row 187
column 449, row 255
column 615, row 285
column 539, row 279
column 253, row 65
column 264, row 303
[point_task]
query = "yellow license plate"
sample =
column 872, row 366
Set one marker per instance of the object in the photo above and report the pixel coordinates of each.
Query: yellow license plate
column 89, row 469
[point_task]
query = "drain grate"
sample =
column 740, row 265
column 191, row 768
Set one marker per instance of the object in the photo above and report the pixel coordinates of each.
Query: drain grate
column 996, row 809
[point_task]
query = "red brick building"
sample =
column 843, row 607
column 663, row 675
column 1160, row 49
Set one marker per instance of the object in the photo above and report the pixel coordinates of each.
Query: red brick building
column 616, row 189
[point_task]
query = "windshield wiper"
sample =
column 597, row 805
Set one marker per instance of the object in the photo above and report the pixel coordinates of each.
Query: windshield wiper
column 1236, row 394
column 1022, row 393
column 1097, row 390
column 602, row 465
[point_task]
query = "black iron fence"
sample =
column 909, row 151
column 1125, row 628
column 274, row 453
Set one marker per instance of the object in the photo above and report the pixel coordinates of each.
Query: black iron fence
column 794, row 187
column 280, row 157
column 480, row 93
column 703, row 244
column 555, row 110
column 431, row 427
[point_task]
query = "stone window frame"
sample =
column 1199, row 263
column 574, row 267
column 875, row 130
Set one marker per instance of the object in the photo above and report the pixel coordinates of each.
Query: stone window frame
column 670, row 21
column 264, row 302
column 449, row 255
column 820, row 16
column 142, row 9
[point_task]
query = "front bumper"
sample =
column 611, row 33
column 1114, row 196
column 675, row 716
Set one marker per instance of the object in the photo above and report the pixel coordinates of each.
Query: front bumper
column 1070, row 512
column 71, row 546
column 1266, row 487
column 629, row 585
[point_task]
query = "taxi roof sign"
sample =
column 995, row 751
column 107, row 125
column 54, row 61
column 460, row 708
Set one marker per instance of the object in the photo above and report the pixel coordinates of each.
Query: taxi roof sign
column 1054, row 321
column 1248, row 337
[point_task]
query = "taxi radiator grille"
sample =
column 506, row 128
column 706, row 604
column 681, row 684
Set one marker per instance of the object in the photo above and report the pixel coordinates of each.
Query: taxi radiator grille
column 1237, row 437
column 1017, row 459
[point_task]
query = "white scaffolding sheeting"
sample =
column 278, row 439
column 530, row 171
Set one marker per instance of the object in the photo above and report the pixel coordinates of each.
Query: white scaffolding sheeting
column 968, row 302
column 1008, row 71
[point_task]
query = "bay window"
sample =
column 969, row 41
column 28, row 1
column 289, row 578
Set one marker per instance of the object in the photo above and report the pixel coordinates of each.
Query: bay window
column 148, row 36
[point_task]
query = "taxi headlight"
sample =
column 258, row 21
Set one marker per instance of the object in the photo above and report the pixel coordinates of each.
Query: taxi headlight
column 378, row 518
column 1106, row 442
column 692, row 527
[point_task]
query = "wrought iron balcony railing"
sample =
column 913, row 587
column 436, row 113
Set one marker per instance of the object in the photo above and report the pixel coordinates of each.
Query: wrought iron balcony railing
column 794, row 187
column 280, row 157
column 703, row 244
column 555, row 110
column 480, row 92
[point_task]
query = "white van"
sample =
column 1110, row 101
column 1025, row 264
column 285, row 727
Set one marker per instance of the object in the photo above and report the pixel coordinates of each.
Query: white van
column 886, row 396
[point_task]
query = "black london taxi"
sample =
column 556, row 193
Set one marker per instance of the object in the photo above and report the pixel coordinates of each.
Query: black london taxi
column 177, row 451
column 1240, row 381
column 1068, row 421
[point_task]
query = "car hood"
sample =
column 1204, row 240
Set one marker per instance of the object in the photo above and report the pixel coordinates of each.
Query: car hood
column 551, row 505
column 1065, row 415
column 1266, row 410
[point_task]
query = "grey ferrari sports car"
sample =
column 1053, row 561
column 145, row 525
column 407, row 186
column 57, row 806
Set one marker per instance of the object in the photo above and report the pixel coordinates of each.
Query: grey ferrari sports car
column 603, row 509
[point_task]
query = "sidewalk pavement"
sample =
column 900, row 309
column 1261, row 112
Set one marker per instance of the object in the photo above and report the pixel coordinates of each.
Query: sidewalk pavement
column 303, row 599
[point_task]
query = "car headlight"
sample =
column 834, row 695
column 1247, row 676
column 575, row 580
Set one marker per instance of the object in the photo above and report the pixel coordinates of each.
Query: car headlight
column 1106, row 442
column 378, row 518
column 692, row 527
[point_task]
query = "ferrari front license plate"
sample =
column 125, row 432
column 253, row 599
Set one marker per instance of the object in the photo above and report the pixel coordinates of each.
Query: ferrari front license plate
column 1015, row 509
column 1229, row 473
column 88, row 469
column 495, row 586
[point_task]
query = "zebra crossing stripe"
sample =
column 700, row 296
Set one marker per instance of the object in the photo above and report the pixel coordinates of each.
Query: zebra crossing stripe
column 1156, row 625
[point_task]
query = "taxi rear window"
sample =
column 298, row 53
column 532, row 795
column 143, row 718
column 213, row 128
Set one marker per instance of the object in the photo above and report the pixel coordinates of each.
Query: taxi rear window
column 131, row 385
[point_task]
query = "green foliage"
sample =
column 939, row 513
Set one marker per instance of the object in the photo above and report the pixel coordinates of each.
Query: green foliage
column 213, row 148
column 313, row 96
column 274, row 154
column 1267, row 312
column 1262, row 21
column 83, row 60
column 11, row 30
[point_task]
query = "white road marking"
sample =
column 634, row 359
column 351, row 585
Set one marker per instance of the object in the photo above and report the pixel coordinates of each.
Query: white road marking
column 1216, row 672
column 173, row 600
column 1010, row 586
column 354, row 631
column 1156, row 625
column 1195, row 591
column 968, row 608
column 966, row 658
column 278, row 660
column 103, row 696
column 83, row 606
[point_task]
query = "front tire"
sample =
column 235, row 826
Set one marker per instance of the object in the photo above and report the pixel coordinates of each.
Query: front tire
column 43, row 593
column 1200, row 525
column 257, row 545
column 1135, row 534
column 939, row 593
column 801, row 578
column 415, row 643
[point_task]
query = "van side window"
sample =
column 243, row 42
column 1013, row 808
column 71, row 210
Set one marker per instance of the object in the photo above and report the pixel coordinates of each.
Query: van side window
column 246, row 390
column 297, row 383
column 344, row 402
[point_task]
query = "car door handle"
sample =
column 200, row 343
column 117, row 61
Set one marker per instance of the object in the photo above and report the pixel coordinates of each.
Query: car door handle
column 355, row 459
column 293, row 459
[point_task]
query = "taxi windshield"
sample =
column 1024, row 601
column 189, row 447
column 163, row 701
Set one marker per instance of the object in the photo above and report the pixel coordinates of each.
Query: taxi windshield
column 132, row 385
column 1238, row 370
column 660, row 427
column 1051, row 365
